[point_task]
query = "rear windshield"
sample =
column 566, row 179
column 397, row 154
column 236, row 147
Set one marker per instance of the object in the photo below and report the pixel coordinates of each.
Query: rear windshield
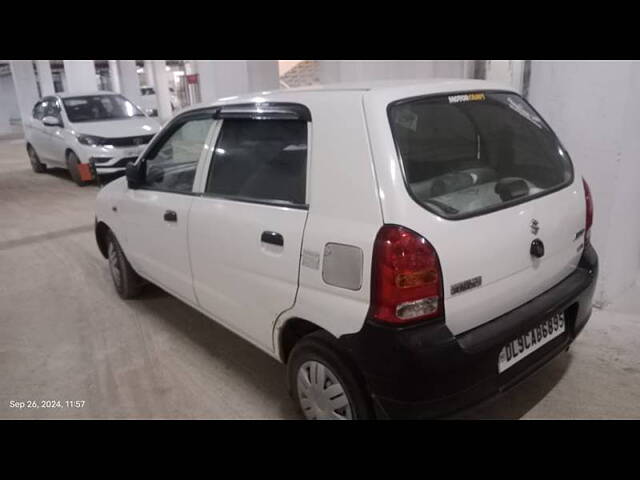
column 94, row 108
column 471, row 153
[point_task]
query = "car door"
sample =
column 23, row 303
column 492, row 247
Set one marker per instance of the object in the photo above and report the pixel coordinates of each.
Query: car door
column 245, row 231
column 38, row 135
column 155, row 215
column 56, row 145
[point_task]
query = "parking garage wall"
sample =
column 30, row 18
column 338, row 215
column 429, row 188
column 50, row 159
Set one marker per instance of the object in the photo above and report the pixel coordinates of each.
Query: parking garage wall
column 10, row 123
column 595, row 109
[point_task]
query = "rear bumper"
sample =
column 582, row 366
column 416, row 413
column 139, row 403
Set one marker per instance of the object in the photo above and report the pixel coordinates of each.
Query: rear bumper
column 425, row 371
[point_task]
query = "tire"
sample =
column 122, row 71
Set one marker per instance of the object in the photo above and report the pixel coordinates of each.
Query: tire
column 127, row 282
column 72, row 166
column 341, row 396
column 36, row 164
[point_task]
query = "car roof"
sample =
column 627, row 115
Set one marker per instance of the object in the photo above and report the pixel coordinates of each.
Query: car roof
column 391, row 89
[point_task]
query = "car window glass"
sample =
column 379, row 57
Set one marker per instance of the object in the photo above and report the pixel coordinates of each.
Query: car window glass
column 472, row 153
column 93, row 108
column 173, row 166
column 38, row 110
column 52, row 109
column 264, row 160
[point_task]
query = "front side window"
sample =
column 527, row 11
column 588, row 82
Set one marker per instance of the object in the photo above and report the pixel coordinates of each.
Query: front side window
column 95, row 108
column 38, row 110
column 466, row 154
column 52, row 109
column 172, row 165
column 261, row 160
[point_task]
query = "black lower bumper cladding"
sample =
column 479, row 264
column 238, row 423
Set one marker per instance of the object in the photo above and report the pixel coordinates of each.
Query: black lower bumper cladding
column 425, row 371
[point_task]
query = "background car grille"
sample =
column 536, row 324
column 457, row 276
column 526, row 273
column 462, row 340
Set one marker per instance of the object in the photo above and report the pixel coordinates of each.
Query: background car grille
column 130, row 141
column 123, row 162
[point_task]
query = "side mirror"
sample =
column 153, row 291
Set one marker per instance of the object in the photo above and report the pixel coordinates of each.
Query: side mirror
column 50, row 121
column 135, row 174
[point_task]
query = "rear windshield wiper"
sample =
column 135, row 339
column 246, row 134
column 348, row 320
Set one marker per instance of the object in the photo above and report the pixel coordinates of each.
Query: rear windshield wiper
column 442, row 206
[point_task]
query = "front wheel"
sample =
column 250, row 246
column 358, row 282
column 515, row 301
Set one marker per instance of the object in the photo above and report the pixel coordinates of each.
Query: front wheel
column 72, row 165
column 127, row 282
column 36, row 164
column 325, row 383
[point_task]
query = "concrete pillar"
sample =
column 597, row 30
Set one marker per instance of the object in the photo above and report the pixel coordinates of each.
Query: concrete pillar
column 24, row 82
column 163, row 95
column 263, row 75
column 148, row 73
column 509, row 72
column 81, row 75
column 45, row 77
column 224, row 78
column 114, row 75
column 129, row 84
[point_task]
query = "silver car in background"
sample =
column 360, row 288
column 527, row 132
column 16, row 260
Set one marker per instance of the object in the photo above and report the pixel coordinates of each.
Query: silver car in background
column 73, row 131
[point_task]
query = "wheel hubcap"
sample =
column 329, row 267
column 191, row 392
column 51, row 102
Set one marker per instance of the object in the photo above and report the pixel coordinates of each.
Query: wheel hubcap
column 114, row 265
column 321, row 395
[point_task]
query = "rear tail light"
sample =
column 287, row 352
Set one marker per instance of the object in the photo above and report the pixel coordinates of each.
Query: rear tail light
column 406, row 278
column 589, row 219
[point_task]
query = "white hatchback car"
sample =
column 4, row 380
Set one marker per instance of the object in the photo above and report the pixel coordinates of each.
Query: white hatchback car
column 407, row 249
column 73, row 131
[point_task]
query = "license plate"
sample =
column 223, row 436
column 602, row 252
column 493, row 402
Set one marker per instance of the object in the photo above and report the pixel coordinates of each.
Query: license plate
column 531, row 341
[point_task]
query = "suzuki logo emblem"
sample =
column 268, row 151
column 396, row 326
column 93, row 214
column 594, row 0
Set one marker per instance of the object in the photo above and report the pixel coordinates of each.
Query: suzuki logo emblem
column 534, row 226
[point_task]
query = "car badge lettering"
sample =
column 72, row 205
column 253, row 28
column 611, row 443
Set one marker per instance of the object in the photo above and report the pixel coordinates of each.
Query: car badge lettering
column 465, row 285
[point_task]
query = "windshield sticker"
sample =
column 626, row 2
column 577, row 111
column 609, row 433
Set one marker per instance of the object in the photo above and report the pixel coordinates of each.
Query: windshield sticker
column 471, row 97
column 520, row 109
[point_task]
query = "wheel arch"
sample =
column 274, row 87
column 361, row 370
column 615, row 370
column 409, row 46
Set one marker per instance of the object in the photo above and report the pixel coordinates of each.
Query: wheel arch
column 291, row 332
column 102, row 231
column 67, row 151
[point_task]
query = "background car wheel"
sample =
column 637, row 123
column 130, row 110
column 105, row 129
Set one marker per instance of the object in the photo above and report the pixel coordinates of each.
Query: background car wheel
column 36, row 165
column 127, row 282
column 72, row 164
column 325, row 383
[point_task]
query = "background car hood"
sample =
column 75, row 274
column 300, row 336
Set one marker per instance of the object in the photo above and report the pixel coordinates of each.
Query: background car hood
column 130, row 127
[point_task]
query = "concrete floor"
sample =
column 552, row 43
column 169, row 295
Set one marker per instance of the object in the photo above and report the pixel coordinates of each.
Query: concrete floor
column 66, row 335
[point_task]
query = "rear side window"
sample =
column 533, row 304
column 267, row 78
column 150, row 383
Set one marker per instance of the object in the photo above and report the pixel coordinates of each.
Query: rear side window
column 467, row 154
column 260, row 160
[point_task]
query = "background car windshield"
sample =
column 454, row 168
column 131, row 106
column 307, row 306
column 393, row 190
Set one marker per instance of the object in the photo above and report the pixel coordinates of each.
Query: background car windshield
column 95, row 108
column 465, row 154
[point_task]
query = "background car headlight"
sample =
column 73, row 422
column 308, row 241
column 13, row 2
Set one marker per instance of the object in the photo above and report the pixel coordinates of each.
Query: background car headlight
column 92, row 140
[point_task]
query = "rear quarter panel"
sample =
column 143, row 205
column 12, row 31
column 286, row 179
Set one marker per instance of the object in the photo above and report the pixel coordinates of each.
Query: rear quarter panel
column 343, row 208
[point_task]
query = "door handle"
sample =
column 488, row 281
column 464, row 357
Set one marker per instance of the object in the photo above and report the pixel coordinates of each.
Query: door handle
column 273, row 238
column 170, row 216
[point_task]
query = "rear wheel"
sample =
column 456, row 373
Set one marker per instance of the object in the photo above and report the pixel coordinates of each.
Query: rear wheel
column 325, row 383
column 36, row 164
column 127, row 282
column 72, row 165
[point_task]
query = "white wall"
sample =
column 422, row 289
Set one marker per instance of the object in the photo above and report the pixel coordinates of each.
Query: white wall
column 334, row 71
column 595, row 109
column 8, row 107
column 223, row 78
